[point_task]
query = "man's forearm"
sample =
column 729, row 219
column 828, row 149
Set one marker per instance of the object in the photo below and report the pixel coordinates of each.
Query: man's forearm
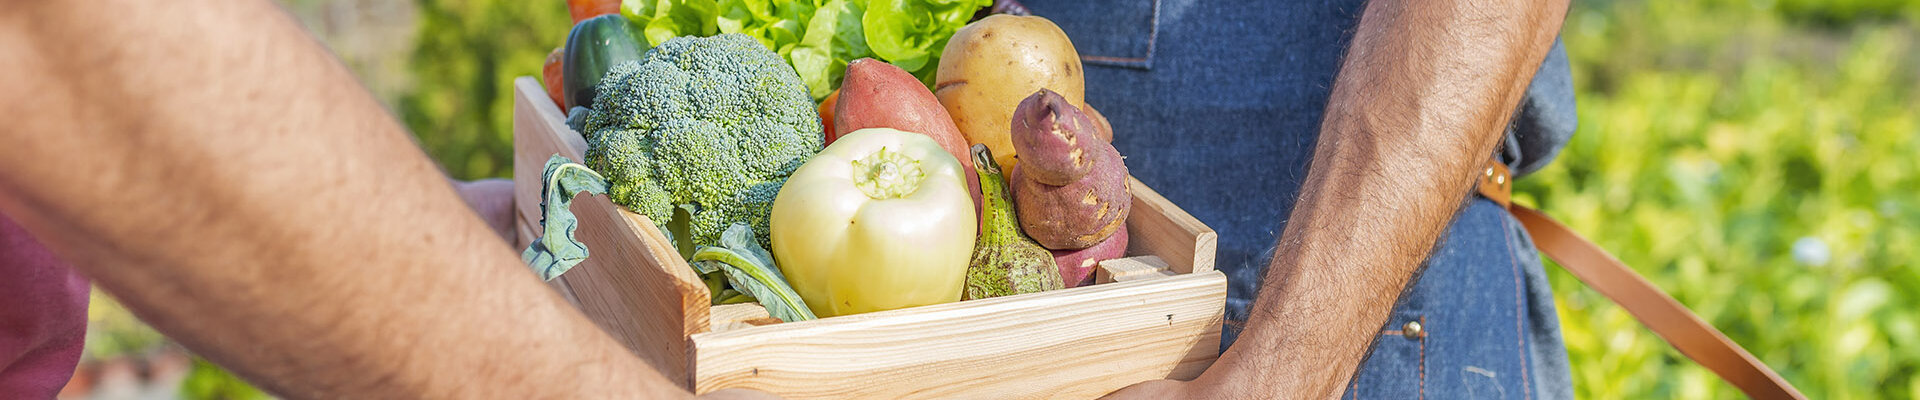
column 1420, row 103
column 211, row 166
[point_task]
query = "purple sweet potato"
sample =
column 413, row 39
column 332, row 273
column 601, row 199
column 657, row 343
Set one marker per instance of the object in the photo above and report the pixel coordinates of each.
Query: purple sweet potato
column 1077, row 266
column 1057, row 142
column 1070, row 187
column 1074, row 216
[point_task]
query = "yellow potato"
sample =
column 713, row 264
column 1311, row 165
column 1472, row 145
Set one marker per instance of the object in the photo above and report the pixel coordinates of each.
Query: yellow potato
column 992, row 64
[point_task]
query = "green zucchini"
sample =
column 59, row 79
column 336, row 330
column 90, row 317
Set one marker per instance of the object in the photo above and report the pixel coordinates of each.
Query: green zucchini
column 595, row 46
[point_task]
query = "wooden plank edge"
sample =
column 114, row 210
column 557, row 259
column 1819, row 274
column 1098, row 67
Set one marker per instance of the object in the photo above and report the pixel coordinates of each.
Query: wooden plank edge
column 959, row 309
column 1084, row 380
column 694, row 292
column 734, row 316
column 540, row 131
column 1131, row 269
column 608, row 290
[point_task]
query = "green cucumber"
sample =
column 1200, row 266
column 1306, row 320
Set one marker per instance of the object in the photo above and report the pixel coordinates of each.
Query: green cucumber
column 595, row 46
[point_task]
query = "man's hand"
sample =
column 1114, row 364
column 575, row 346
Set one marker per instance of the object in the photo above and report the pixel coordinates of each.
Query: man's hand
column 493, row 200
column 1199, row 388
column 1421, row 101
column 738, row 394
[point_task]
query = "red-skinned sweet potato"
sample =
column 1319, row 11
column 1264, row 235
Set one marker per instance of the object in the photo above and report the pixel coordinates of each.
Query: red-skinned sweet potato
column 1073, row 216
column 875, row 94
column 1056, row 141
column 1070, row 187
column 1077, row 266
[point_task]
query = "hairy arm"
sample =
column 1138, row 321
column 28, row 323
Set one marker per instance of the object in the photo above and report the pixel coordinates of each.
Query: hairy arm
column 215, row 169
column 1421, row 101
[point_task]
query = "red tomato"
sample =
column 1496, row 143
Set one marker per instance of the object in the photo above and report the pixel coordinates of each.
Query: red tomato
column 552, row 74
column 826, row 114
column 583, row 9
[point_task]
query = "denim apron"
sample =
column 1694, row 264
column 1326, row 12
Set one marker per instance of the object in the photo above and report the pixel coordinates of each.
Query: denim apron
column 1217, row 105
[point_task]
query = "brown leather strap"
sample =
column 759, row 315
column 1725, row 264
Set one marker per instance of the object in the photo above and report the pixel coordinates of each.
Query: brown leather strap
column 1495, row 183
column 1654, row 308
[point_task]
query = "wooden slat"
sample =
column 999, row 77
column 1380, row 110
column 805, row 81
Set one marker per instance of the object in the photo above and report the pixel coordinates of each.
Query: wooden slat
column 1131, row 269
column 728, row 317
column 1074, row 343
column 1157, row 227
column 538, row 133
column 632, row 285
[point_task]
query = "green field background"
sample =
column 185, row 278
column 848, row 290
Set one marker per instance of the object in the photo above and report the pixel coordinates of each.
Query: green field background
column 1754, row 158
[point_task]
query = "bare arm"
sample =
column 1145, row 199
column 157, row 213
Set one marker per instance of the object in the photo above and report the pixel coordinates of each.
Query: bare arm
column 214, row 168
column 1420, row 103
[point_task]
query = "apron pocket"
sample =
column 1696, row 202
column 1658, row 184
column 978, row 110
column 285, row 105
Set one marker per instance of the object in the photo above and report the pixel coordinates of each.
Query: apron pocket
column 1117, row 33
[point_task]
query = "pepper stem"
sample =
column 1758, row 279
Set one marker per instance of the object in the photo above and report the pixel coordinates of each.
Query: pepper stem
column 887, row 174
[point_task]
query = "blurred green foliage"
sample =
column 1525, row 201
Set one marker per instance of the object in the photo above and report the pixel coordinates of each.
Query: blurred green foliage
column 1836, row 13
column 1758, row 162
column 113, row 331
column 209, row 382
column 466, row 56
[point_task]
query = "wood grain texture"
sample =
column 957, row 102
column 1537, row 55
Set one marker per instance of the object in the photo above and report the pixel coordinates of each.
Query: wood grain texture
column 632, row 284
column 1131, row 269
column 1155, row 226
column 538, row 129
column 1074, row 343
column 728, row 317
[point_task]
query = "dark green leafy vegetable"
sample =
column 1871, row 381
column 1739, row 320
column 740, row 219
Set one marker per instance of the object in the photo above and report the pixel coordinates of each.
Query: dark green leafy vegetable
column 551, row 255
column 750, row 269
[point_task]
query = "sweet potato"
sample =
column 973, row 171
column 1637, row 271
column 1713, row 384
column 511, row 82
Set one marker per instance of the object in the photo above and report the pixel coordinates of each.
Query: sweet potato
column 1077, row 266
column 875, row 94
column 1074, row 216
column 1070, row 187
column 1058, row 142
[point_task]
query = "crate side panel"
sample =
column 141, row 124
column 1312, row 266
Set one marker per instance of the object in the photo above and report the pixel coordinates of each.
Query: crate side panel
column 632, row 285
column 1074, row 343
column 1158, row 227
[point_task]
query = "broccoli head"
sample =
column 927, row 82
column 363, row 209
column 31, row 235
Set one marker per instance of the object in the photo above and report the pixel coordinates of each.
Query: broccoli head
column 711, row 124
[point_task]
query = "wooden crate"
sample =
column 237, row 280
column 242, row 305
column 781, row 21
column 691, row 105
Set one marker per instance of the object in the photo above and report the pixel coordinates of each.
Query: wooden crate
column 1159, row 317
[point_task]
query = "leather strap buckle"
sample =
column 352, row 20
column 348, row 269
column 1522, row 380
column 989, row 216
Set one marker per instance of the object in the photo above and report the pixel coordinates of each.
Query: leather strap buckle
column 1496, row 183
